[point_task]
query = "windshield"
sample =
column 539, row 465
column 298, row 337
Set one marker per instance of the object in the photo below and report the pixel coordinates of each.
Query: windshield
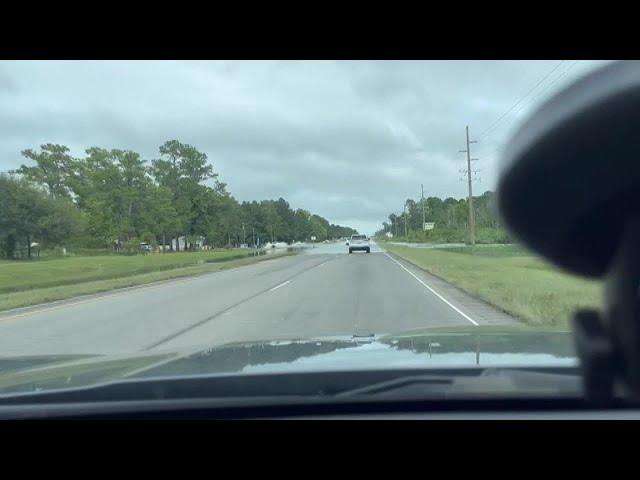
column 160, row 210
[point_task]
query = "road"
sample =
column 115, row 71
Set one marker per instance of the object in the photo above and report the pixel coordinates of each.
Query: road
column 323, row 292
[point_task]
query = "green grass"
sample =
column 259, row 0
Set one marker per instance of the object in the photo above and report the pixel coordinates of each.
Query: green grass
column 493, row 251
column 484, row 235
column 27, row 275
column 42, row 295
column 511, row 279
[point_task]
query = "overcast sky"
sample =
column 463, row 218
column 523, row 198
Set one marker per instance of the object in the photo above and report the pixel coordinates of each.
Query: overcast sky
column 347, row 140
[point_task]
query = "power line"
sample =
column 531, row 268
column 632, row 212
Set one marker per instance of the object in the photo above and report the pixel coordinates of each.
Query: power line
column 495, row 124
column 520, row 101
column 548, row 87
column 536, row 97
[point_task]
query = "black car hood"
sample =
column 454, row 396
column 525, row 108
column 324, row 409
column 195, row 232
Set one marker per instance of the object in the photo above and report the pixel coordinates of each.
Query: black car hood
column 433, row 350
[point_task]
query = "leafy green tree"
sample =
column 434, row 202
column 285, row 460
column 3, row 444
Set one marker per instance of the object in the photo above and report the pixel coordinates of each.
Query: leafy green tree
column 113, row 187
column 319, row 227
column 272, row 221
column 285, row 220
column 161, row 217
column 451, row 218
column 338, row 231
column 182, row 168
column 120, row 200
column 53, row 168
column 29, row 214
column 301, row 225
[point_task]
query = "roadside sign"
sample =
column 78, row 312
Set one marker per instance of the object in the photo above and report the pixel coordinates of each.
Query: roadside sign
column 313, row 238
column 429, row 226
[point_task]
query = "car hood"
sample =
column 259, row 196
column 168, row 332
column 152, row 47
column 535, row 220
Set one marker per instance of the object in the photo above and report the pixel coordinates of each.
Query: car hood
column 415, row 350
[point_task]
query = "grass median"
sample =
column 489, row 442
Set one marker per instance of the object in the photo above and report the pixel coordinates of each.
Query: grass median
column 87, row 275
column 26, row 275
column 509, row 278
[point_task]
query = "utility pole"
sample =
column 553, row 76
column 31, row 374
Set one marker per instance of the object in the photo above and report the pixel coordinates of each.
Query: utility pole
column 404, row 211
column 472, row 220
column 423, row 219
column 243, row 235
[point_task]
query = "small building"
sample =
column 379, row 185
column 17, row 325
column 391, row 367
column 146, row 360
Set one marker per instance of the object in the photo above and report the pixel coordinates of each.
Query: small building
column 197, row 243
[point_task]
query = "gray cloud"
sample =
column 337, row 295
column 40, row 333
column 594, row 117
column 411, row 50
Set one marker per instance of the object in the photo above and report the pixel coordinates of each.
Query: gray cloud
column 6, row 84
column 348, row 140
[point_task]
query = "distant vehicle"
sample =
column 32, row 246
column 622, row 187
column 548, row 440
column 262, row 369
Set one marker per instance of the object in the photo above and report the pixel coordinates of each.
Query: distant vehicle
column 359, row 243
column 276, row 245
column 145, row 247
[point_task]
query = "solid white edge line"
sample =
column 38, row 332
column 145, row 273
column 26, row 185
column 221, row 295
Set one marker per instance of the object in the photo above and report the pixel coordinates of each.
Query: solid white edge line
column 432, row 290
column 278, row 286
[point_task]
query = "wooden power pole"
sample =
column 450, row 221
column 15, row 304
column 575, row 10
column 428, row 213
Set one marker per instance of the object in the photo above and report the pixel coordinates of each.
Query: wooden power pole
column 423, row 219
column 472, row 220
column 404, row 212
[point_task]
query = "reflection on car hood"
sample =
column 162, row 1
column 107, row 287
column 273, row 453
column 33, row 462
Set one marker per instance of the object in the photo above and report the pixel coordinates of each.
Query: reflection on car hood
column 295, row 355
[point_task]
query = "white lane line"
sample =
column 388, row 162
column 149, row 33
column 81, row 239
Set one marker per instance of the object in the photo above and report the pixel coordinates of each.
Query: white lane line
column 278, row 286
column 432, row 290
column 300, row 273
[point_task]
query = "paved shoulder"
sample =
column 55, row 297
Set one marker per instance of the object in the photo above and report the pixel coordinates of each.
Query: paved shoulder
column 476, row 311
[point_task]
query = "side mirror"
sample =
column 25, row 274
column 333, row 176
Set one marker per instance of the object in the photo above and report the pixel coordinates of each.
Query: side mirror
column 570, row 175
column 568, row 190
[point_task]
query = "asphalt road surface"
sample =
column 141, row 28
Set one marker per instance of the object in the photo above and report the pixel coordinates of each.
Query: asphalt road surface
column 322, row 292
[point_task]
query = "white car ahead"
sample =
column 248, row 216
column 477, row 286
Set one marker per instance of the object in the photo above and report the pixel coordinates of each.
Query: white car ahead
column 359, row 243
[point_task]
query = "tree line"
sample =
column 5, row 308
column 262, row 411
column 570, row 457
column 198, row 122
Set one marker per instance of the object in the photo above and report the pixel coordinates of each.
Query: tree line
column 451, row 220
column 117, row 199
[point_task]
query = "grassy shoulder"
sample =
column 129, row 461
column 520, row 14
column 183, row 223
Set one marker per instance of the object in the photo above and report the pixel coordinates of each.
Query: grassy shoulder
column 484, row 235
column 509, row 278
column 36, row 296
